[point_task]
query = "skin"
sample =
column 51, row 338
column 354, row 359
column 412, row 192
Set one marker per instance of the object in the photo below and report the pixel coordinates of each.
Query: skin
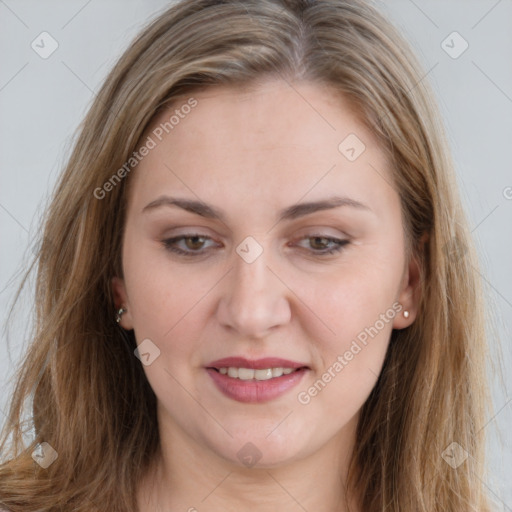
column 252, row 153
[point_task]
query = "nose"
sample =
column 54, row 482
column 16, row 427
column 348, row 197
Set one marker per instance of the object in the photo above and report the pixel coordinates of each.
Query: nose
column 254, row 299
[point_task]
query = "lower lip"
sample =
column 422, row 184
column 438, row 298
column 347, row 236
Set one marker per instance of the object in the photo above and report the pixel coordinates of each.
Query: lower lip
column 255, row 391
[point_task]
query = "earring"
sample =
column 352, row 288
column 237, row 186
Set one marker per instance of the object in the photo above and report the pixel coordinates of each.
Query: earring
column 406, row 314
column 120, row 313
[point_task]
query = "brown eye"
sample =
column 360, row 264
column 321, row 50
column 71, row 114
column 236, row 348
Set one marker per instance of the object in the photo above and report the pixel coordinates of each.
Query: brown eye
column 192, row 246
column 320, row 244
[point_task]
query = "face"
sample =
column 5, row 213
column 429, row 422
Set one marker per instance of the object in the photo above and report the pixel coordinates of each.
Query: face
column 259, row 275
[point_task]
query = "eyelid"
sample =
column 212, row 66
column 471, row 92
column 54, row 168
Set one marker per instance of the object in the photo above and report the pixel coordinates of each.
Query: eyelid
column 324, row 231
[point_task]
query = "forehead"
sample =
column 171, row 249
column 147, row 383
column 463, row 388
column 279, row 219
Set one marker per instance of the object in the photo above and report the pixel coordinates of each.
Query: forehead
column 262, row 140
column 295, row 109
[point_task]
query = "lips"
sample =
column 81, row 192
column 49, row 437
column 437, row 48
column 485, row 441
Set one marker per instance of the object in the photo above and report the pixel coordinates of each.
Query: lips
column 256, row 391
column 256, row 364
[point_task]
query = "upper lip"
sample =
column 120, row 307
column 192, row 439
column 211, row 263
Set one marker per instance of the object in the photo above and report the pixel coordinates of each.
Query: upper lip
column 256, row 364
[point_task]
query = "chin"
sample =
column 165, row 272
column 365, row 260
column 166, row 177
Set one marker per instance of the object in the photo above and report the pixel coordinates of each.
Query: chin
column 257, row 452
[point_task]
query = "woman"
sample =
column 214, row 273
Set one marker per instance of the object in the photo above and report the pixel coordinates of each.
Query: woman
column 255, row 287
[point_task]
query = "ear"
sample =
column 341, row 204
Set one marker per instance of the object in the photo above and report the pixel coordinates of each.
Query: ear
column 410, row 292
column 121, row 301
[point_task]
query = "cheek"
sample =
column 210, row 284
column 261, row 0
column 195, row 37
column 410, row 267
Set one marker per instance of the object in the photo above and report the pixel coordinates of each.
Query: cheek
column 351, row 359
column 167, row 301
column 356, row 297
column 162, row 293
column 358, row 307
column 363, row 324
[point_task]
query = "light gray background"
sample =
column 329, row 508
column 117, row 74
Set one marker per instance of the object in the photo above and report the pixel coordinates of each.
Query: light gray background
column 43, row 100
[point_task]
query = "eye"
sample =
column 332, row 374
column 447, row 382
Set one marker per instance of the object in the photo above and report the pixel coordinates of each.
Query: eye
column 191, row 249
column 323, row 242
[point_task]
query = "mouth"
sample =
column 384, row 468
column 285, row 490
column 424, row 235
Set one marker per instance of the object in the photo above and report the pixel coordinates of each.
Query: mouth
column 251, row 374
column 255, row 381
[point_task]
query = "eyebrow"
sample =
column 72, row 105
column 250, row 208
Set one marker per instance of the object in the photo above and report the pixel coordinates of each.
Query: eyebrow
column 290, row 213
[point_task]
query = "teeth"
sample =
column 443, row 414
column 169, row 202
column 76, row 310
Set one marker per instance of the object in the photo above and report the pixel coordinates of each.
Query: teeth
column 249, row 373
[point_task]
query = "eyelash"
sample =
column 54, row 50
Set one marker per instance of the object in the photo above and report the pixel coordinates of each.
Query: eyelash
column 169, row 244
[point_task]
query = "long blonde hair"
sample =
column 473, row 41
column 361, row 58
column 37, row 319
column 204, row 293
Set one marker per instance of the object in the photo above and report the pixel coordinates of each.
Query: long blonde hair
column 88, row 396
